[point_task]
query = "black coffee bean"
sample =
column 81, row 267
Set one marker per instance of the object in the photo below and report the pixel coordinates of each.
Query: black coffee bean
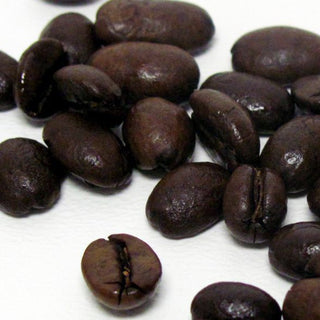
column 158, row 134
column 234, row 300
column 294, row 251
column 314, row 198
column 187, row 200
column 254, row 204
column 225, row 127
column 122, row 272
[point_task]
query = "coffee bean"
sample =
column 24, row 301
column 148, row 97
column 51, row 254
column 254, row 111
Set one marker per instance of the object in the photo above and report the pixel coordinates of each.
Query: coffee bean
column 314, row 198
column 269, row 105
column 29, row 177
column 294, row 251
column 158, row 134
column 254, row 204
column 187, row 200
column 90, row 152
column 149, row 70
column 225, row 127
column 122, row 272
column 234, row 300
column 283, row 54
column 154, row 21
column 302, row 301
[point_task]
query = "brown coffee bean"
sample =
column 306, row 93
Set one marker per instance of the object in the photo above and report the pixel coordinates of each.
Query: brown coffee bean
column 144, row 70
column 158, row 134
column 314, row 198
column 90, row 152
column 154, row 21
column 187, row 200
column 122, row 272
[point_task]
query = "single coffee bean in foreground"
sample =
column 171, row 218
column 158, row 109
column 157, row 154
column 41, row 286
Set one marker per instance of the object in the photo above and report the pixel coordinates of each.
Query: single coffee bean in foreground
column 187, row 200
column 254, row 204
column 178, row 23
column 294, row 251
column 234, row 300
column 122, row 272
column 30, row 178
column 302, row 301
column 269, row 104
column 145, row 70
column 313, row 198
column 89, row 151
column 159, row 134
column 225, row 127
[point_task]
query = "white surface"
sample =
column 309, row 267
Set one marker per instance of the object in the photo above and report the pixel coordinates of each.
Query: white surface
column 40, row 276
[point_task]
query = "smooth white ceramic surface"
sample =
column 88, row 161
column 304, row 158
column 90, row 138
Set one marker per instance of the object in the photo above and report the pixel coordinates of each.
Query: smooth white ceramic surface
column 40, row 276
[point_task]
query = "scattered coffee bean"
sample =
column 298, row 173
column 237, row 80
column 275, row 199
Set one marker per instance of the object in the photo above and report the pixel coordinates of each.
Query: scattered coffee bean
column 122, row 272
column 314, row 198
column 234, row 300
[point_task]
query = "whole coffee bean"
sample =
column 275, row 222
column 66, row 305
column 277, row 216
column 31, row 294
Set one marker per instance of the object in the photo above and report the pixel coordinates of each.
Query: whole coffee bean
column 8, row 74
column 144, row 70
column 75, row 32
column 29, row 177
column 34, row 92
column 283, row 54
column 224, row 126
column 302, row 301
column 234, row 300
column 291, row 152
column 158, row 134
column 314, row 198
column 187, row 200
column 254, row 204
column 269, row 105
column 90, row 152
column 154, row 21
column 122, row 272
column 294, row 251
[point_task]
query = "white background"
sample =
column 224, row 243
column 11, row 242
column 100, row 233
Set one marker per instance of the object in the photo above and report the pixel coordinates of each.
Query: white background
column 40, row 276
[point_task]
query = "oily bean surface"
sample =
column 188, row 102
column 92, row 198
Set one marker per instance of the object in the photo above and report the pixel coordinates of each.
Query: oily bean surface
column 313, row 198
column 122, row 272
column 144, row 70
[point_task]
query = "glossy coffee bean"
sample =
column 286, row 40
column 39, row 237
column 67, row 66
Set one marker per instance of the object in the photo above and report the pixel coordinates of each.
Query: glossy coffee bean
column 234, row 300
column 8, row 74
column 269, row 105
column 159, row 134
column 314, row 198
column 29, row 177
column 144, row 70
column 154, row 21
column 254, row 204
column 291, row 152
column 76, row 33
column 90, row 152
column 187, row 200
column 283, row 54
column 225, row 127
column 122, row 272
column 294, row 251
column 302, row 301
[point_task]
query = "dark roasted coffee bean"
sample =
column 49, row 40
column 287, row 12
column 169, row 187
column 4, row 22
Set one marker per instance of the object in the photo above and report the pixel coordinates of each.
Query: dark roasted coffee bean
column 283, row 54
column 144, row 70
column 158, row 134
column 294, row 251
column 269, row 104
column 154, row 21
column 291, row 152
column 29, row 177
column 8, row 74
column 34, row 92
column 314, row 198
column 75, row 32
column 234, row 300
column 302, row 301
column 89, row 151
column 254, row 204
column 225, row 127
column 187, row 200
column 122, row 272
